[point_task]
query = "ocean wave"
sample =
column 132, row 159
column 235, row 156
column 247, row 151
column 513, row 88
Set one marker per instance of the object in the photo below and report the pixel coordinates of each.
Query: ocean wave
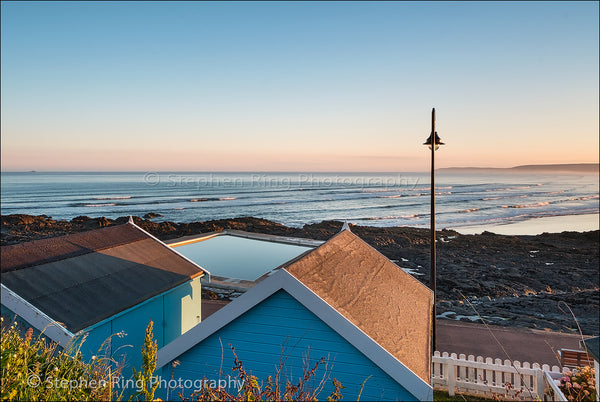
column 510, row 188
column 100, row 205
column 586, row 198
column 378, row 218
column 503, row 198
column 213, row 199
column 126, row 197
column 539, row 204
column 376, row 190
column 203, row 199
column 429, row 188
column 469, row 210
column 391, row 196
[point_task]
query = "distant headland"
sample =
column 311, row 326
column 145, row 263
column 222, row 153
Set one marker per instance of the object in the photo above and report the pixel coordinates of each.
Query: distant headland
column 553, row 168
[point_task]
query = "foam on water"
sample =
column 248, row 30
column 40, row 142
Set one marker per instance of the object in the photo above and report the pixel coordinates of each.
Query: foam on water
column 385, row 199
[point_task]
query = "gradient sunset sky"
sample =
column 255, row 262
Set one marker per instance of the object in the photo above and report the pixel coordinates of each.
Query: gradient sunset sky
column 296, row 86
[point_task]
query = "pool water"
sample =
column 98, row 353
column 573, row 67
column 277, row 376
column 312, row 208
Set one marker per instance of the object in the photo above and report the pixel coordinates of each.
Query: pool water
column 239, row 257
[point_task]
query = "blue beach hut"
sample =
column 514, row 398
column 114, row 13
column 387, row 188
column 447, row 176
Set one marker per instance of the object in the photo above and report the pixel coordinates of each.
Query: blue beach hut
column 343, row 302
column 99, row 283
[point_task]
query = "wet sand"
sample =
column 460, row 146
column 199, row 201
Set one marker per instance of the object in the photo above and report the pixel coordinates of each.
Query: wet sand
column 553, row 224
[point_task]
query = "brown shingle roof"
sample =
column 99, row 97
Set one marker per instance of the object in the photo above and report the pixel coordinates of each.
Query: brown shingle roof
column 87, row 277
column 386, row 303
column 39, row 252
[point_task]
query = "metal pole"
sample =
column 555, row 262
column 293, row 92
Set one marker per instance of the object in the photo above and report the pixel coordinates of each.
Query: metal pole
column 432, row 273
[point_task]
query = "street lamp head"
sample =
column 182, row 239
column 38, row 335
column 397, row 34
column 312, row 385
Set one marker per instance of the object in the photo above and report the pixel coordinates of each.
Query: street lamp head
column 438, row 141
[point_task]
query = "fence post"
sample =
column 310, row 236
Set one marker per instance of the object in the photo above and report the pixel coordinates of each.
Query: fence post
column 539, row 381
column 489, row 377
column 458, row 373
column 451, row 375
column 471, row 371
column 528, row 382
column 437, row 370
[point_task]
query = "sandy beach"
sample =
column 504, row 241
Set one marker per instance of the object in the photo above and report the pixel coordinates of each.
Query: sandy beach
column 552, row 224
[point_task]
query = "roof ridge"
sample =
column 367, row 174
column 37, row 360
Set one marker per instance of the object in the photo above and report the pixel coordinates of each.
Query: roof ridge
column 312, row 301
column 128, row 268
column 172, row 249
column 346, row 267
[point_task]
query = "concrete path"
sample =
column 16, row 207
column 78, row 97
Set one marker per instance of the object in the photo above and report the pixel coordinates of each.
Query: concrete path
column 522, row 344
column 209, row 307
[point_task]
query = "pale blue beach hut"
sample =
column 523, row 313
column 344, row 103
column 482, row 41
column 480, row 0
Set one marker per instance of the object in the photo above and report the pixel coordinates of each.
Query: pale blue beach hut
column 99, row 283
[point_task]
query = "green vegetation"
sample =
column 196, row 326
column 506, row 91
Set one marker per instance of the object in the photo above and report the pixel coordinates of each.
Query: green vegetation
column 272, row 391
column 145, row 377
column 36, row 369
column 579, row 385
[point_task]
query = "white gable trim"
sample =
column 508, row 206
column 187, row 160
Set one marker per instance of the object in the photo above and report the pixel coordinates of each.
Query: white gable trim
column 36, row 317
column 340, row 324
column 360, row 340
column 218, row 320
column 204, row 271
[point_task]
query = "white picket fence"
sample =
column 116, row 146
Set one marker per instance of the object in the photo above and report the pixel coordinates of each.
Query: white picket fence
column 489, row 377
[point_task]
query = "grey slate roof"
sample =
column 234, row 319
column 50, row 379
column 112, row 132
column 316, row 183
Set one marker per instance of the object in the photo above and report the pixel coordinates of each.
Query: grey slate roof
column 593, row 347
column 83, row 278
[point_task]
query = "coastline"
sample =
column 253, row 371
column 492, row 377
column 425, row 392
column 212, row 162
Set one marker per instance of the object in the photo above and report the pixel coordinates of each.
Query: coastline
column 512, row 281
column 536, row 226
column 294, row 199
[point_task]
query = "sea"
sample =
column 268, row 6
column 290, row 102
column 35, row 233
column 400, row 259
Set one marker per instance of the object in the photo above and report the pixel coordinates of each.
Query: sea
column 469, row 199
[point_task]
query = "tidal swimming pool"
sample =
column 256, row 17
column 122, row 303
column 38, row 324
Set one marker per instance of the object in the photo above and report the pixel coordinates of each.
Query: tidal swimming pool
column 239, row 257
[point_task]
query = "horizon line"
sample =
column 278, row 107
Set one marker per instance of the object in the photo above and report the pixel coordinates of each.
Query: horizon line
column 549, row 165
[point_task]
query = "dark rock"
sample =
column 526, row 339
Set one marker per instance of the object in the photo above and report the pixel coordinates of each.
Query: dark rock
column 19, row 219
column 152, row 215
column 498, row 266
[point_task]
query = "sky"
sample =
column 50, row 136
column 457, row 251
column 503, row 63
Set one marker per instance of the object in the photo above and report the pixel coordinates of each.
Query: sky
column 297, row 86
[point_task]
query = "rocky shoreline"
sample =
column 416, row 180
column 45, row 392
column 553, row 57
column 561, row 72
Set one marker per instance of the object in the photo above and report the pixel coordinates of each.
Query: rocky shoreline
column 522, row 281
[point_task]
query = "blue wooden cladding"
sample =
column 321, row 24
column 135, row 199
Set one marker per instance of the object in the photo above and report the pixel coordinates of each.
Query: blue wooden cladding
column 121, row 336
column 280, row 332
column 173, row 313
column 326, row 315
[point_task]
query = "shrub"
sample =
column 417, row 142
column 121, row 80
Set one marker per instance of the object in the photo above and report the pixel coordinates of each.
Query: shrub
column 145, row 377
column 579, row 385
column 272, row 391
column 36, row 369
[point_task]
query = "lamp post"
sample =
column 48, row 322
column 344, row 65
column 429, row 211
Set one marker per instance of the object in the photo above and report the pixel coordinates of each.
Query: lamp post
column 434, row 143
